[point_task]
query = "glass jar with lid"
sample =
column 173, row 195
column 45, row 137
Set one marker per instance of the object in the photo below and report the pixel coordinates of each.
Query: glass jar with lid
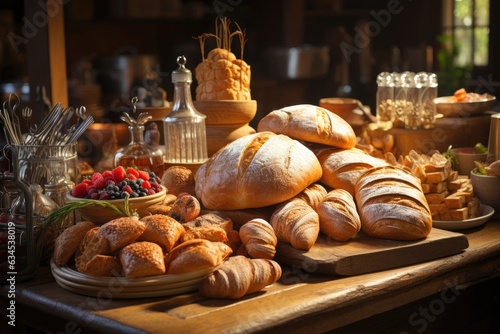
column 428, row 92
column 385, row 101
column 412, row 113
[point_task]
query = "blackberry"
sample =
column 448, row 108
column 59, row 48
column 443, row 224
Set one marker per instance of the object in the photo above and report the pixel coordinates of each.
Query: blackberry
column 123, row 195
column 152, row 175
column 110, row 188
column 122, row 184
column 143, row 193
column 116, row 189
column 142, row 190
column 139, row 181
column 134, row 194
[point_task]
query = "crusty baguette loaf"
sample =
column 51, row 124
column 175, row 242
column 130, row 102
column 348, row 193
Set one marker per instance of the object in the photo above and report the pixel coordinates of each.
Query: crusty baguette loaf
column 392, row 205
column 69, row 240
column 342, row 168
column 196, row 254
column 255, row 171
column 310, row 123
column 239, row 276
column 142, row 259
column 163, row 230
column 313, row 195
column 259, row 239
column 338, row 216
column 295, row 222
column 208, row 232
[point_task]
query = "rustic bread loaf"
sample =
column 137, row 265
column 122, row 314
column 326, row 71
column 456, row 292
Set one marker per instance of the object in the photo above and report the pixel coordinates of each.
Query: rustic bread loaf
column 239, row 276
column 342, row 168
column 256, row 171
column 338, row 216
column 310, row 123
column 392, row 205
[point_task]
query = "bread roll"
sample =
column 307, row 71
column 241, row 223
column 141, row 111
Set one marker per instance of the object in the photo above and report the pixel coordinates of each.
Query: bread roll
column 163, row 230
column 102, row 265
column 239, row 276
column 185, row 208
column 296, row 222
column 259, row 239
column 69, row 240
column 210, row 219
column 310, row 123
column 392, row 205
column 338, row 216
column 240, row 217
column 256, row 171
column 121, row 232
column 178, row 179
column 142, row 259
column 196, row 254
column 342, row 168
column 208, row 232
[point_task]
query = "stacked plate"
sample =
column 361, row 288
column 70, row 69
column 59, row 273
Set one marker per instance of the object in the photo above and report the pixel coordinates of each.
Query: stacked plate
column 123, row 287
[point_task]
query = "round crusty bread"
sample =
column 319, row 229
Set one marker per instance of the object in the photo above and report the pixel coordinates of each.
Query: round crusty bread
column 255, row 171
column 392, row 205
column 309, row 123
column 342, row 168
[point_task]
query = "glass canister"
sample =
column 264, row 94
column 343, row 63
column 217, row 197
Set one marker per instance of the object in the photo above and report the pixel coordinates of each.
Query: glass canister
column 428, row 92
column 184, row 128
column 412, row 114
column 385, row 101
column 137, row 152
column 399, row 100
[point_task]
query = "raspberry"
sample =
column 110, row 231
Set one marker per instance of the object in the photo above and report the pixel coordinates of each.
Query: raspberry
column 110, row 181
column 151, row 191
column 132, row 171
column 80, row 190
column 127, row 189
column 99, row 183
column 103, row 195
column 144, row 175
column 95, row 196
column 146, row 185
column 92, row 191
column 132, row 177
column 107, row 174
column 87, row 181
column 119, row 174
column 95, row 176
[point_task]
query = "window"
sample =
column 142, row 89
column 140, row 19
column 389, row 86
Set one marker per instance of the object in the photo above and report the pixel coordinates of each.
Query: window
column 467, row 22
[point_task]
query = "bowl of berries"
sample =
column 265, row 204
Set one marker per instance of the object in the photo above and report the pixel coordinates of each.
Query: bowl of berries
column 141, row 188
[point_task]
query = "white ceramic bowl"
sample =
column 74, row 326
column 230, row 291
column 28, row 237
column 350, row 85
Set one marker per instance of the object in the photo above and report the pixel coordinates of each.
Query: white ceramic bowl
column 466, row 157
column 487, row 189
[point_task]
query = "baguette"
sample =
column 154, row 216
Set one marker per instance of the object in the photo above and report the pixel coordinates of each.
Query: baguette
column 309, row 123
column 255, row 171
column 196, row 254
column 259, row 239
column 239, row 276
column 296, row 222
column 69, row 240
column 342, row 168
column 392, row 205
column 338, row 216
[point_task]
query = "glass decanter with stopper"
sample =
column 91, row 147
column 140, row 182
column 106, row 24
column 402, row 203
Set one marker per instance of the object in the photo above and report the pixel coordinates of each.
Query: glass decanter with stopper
column 138, row 153
column 184, row 128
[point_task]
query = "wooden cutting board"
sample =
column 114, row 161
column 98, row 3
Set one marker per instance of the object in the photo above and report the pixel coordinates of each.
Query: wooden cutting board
column 364, row 254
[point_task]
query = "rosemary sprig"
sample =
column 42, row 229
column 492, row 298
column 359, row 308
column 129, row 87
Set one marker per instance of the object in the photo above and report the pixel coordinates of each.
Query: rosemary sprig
column 64, row 211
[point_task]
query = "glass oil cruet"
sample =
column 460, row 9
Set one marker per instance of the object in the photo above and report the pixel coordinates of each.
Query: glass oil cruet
column 138, row 153
column 184, row 128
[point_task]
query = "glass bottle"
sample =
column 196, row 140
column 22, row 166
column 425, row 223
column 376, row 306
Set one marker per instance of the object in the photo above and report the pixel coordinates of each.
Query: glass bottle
column 428, row 93
column 137, row 152
column 412, row 115
column 399, row 100
column 184, row 128
column 385, row 101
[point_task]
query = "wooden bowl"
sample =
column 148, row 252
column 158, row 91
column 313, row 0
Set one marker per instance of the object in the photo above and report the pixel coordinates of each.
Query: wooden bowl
column 463, row 109
column 101, row 215
column 220, row 135
column 227, row 111
column 340, row 106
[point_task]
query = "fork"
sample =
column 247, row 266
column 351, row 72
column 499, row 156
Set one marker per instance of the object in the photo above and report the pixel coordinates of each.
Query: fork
column 27, row 113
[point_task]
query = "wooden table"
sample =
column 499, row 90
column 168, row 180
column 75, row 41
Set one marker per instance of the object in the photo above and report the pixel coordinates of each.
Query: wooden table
column 298, row 303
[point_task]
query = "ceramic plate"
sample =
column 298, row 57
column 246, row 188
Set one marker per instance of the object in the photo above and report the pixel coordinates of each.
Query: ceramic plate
column 463, row 109
column 485, row 212
column 123, row 287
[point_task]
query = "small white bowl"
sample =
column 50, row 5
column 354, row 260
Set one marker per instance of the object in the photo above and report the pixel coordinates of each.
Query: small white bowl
column 466, row 157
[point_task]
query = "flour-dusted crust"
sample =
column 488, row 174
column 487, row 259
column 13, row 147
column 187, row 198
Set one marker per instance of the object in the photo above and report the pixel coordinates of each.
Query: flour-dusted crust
column 255, row 171
column 310, row 123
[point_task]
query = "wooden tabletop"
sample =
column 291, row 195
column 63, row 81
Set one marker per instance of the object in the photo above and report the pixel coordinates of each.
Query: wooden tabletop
column 298, row 301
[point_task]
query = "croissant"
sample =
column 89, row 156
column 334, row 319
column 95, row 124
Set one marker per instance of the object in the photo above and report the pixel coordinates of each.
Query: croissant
column 239, row 276
column 295, row 222
column 338, row 216
column 259, row 239
column 313, row 195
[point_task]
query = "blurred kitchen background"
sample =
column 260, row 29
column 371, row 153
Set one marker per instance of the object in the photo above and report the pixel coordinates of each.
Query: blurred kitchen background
column 299, row 50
